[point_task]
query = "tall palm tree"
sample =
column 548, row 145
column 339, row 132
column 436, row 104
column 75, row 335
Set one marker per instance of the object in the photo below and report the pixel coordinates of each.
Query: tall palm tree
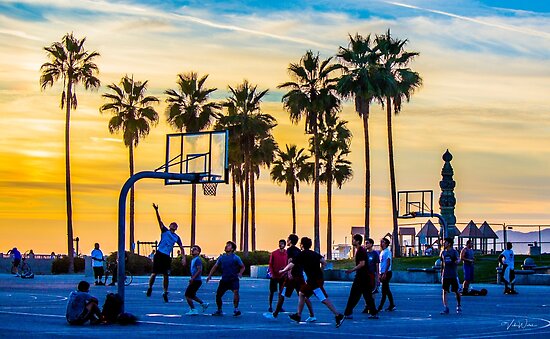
column 263, row 153
column 134, row 115
column 190, row 110
column 73, row 64
column 249, row 125
column 398, row 82
column 334, row 147
column 359, row 64
column 292, row 167
column 311, row 89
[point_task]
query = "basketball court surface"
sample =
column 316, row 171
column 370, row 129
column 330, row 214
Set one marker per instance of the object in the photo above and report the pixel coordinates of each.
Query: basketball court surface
column 36, row 308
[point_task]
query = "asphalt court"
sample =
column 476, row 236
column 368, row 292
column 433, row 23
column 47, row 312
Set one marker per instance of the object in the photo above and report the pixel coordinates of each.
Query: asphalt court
column 37, row 308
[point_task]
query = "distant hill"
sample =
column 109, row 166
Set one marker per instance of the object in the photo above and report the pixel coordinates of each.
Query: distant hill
column 522, row 240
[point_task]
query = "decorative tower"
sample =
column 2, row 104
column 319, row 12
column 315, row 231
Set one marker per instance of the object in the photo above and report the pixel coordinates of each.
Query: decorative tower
column 447, row 200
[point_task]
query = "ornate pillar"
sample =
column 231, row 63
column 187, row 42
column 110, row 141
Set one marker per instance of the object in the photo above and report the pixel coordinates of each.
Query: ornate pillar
column 447, row 200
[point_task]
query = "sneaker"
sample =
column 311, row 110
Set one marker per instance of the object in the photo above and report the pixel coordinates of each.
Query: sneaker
column 349, row 317
column 270, row 310
column 339, row 320
column 218, row 313
column 204, row 306
column 165, row 297
column 112, row 284
column 192, row 311
column 459, row 310
column 236, row 313
column 445, row 311
column 295, row 317
column 269, row 316
column 390, row 308
column 507, row 290
column 513, row 292
column 282, row 310
column 366, row 310
column 149, row 291
column 311, row 319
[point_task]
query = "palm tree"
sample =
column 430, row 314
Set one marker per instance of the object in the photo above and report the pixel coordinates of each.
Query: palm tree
column 292, row 167
column 72, row 63
column 398, row 82
column 359, row 64
column 334, row 147
column 311, row 90
column 262, row 155
column 134, row 115
column 190, row 110
column 249, row 124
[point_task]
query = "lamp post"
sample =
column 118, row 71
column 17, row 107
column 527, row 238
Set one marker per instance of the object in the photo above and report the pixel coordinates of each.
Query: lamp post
column 76, row 240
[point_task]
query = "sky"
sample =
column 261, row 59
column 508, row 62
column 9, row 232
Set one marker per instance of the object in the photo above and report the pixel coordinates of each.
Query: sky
column 485, row 97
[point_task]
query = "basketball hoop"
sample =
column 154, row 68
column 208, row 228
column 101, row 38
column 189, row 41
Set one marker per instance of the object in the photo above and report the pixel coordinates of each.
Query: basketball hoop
column 209, row 188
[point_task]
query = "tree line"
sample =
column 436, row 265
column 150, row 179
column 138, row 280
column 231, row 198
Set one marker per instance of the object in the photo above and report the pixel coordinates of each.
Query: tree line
column 371, row 69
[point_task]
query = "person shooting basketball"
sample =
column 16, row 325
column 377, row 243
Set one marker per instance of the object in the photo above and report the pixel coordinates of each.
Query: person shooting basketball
column 162, row 260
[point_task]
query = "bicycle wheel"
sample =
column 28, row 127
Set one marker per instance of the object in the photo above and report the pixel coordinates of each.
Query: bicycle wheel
column 128, row 278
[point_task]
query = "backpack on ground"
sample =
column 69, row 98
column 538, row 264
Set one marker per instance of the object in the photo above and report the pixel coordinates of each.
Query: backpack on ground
column 112, row 308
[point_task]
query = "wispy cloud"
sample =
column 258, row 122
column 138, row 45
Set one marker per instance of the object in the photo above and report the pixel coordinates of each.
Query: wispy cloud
column 19, row 34
column 511, row 28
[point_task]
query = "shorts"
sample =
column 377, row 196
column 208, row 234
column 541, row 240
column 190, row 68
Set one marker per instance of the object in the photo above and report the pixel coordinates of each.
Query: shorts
column 468, row 272
column 316, row 289
column 276, row 284
column 16, row 262
column 290, row 285
column 227, row 285
column 451, row 283
column 161, row 263
column 98, row 271
column 192, row 289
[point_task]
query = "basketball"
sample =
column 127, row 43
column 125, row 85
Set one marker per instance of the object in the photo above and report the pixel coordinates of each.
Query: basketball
column 483, row 291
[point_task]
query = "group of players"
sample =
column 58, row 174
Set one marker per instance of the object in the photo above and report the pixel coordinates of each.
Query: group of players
column 301, row 270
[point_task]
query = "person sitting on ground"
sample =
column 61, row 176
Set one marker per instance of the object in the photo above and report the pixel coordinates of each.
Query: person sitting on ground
column 82, row 306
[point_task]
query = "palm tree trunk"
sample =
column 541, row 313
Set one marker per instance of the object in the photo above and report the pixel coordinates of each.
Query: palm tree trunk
column 241, row 188
column 70, row 247
column 132, row 199
column 365, row 116
column 234, row 208
column 252, row 211
column 293, row 200
column 193, row 213
column 316, row 220
column 395, row 237
column 329, row 214
column 246, row 199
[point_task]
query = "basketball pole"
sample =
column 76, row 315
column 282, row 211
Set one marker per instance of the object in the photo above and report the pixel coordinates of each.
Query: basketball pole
column 190, row 177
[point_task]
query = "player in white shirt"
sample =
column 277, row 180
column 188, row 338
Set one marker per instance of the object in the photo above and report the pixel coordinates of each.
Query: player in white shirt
column 506, row 259
column 97, row 264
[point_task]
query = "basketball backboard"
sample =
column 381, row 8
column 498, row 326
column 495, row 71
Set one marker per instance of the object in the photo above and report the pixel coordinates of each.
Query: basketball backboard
column 412, row 203
column 204, row 155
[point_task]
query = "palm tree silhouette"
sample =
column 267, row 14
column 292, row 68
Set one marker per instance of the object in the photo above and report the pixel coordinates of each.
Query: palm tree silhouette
column 73, row 64
column 134, row 115
column 311, row 89
column 190, row 110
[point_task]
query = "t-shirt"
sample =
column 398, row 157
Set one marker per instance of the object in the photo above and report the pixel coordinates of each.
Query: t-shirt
column 361, row 255
column 508, row 258
column 167, row 241
column 373, row 259
column 196, row 264
column 292, row 252
column 468, row 254
column 16, row 254
column 311, row 264
column 76, row 304
column 231, row 265
column 97, row 258
column 277, row 261
column 384, row 256
column 449, row 258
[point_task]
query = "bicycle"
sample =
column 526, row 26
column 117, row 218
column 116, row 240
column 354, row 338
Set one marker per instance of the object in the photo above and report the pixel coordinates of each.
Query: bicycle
column 113, row 271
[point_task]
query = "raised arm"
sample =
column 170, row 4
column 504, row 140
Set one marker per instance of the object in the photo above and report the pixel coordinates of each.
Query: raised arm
column 161, row 225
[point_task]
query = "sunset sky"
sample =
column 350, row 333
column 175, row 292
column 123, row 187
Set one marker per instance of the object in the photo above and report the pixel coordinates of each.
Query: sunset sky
column 485, row 97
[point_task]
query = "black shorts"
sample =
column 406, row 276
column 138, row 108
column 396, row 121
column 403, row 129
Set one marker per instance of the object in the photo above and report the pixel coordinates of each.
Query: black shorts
column 276, row 284
column 314, row 288
column 451, row 283
column 16, row 262
column 290, row 285
column 227, row 285
column 161, row 263
column 98, row 271
column 192, row 289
